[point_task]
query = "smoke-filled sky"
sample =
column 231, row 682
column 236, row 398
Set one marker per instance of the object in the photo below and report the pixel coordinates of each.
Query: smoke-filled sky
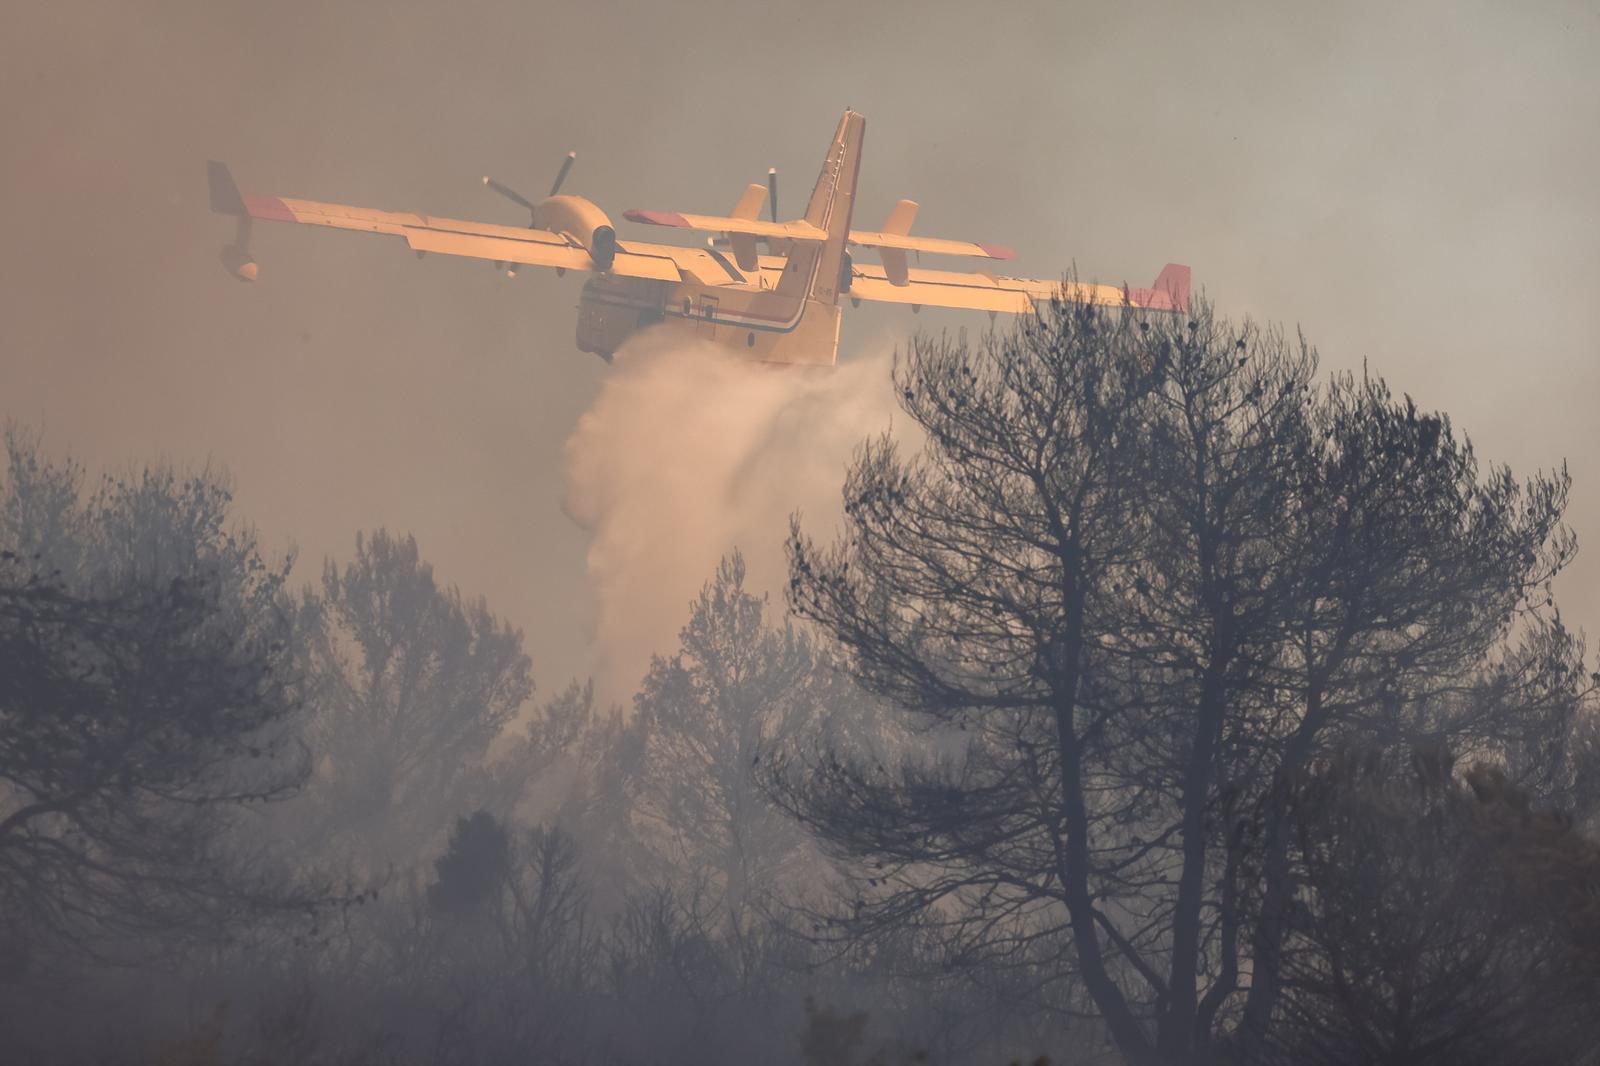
column 1411, row 184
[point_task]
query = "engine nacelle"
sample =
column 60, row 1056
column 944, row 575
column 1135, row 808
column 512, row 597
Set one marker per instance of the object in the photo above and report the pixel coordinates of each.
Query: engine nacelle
column 581, row 220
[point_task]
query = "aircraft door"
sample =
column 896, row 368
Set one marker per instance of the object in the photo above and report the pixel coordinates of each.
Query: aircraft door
column 708, row 317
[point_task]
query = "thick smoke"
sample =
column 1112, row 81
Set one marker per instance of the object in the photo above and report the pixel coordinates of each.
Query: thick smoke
column 688, row 452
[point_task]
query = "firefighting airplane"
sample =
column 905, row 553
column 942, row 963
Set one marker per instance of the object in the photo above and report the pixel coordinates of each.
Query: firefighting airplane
column 781, row 307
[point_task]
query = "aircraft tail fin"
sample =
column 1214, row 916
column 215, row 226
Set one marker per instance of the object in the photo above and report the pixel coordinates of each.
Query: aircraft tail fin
column 817, row 271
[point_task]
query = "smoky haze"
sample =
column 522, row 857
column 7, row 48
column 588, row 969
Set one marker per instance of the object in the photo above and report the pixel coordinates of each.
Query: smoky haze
column 1411, row 185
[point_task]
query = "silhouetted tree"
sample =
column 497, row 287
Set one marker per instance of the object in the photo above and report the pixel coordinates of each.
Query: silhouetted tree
column 410, row 685
column 505, row 924
column 1425, row 929
column 474, row 868
column 138, row 531
column 591, row 757
column 1408, row 568
column 147, row 696
column 706, row 715
column 1140, row 571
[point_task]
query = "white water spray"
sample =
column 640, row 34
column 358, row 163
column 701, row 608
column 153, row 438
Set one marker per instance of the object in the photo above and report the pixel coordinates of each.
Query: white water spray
column 688, row 452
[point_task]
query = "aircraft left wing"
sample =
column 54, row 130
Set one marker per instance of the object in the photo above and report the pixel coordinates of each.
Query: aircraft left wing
column 989, row 292
column 804, row 231
column 794, row 231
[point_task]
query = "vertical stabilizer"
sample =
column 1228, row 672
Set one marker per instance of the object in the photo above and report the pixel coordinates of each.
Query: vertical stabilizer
column 814, row 271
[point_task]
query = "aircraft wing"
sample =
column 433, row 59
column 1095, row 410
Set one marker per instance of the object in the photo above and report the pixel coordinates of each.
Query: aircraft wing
column 988, row 292
column 794, row 231
column 446, row 236
column 450, row 236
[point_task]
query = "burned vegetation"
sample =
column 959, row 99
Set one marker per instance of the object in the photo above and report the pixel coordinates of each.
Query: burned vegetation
column 1164, row 703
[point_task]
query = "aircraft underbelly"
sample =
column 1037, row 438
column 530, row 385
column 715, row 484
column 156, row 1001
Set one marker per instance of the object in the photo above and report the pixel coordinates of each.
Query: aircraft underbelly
column 762, row 328
column 613, row 309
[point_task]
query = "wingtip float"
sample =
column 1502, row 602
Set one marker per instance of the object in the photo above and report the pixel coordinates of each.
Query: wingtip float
column 777, row 299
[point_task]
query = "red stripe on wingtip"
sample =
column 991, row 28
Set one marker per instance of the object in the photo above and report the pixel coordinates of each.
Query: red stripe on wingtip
column 656, row 218
column 269, row 207
column 997, row 251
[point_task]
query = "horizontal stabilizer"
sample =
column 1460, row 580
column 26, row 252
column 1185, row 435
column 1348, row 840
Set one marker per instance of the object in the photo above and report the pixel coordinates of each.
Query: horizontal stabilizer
column 931, row 245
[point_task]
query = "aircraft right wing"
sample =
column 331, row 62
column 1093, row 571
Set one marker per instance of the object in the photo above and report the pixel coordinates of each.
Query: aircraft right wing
column 981, row 291
column 449, row 236
column 446, row 236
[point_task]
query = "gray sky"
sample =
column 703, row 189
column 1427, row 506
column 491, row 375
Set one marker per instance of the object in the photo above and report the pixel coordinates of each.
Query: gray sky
column 1411, row 184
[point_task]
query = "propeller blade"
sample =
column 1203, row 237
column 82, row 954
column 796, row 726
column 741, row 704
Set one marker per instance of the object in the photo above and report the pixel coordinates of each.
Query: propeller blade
column 772, row 191
column 508, row 192
column 561, row 175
